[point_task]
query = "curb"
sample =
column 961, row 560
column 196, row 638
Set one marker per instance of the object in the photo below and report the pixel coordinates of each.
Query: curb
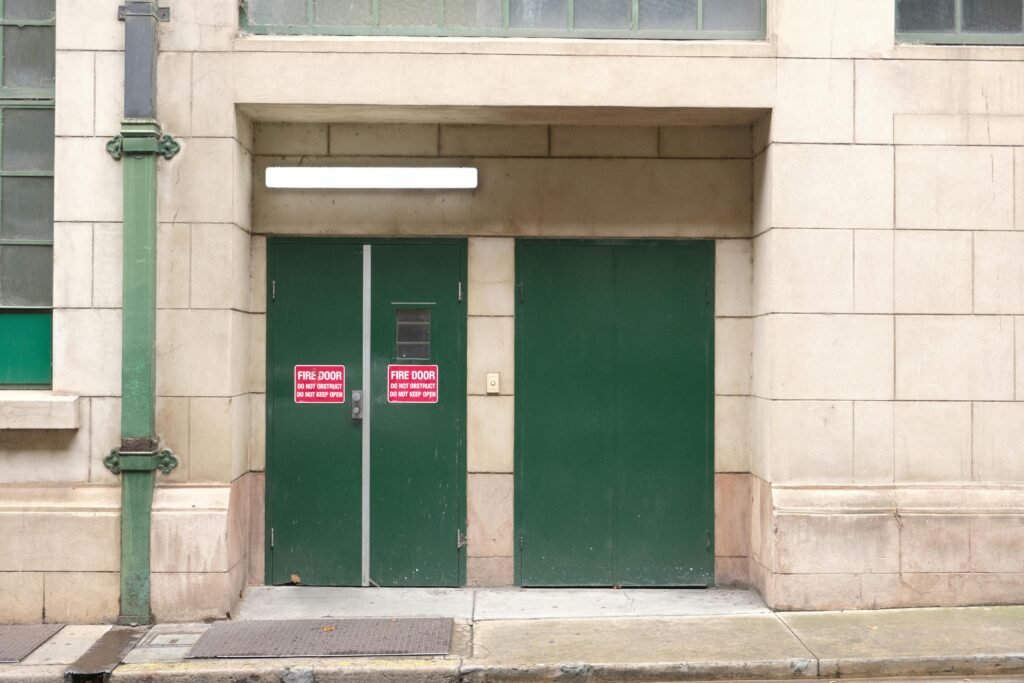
column 455, row 671
column 48, row 673
column 955, row 665
column 291, row 671
column 790, row 669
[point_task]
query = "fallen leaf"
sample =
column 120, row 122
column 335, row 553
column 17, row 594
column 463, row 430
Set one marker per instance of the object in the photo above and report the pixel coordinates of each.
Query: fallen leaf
column 328, row 629
column 296, row 579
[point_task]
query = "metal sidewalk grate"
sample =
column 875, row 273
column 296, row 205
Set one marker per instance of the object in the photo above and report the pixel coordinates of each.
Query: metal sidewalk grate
column 324, row 638
column 18, row 641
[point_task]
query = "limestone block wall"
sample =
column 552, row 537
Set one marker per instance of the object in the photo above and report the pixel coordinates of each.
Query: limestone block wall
column 205, row 409
column 59, row 506
column 869, row 277
column 490, row 419
column 211, row 282
column 889, row 266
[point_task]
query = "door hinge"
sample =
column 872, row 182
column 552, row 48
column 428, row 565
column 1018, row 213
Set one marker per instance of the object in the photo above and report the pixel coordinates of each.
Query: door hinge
column 708, row 532
column 520, row 541
column 460, row 290
column 273, row 290
column 271, row 537
column 460, row 539
column 707, row 292
column 520, row 288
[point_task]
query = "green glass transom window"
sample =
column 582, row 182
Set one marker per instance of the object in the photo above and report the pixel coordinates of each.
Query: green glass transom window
column 27, row 67
column 680, row 19
column 961, row 22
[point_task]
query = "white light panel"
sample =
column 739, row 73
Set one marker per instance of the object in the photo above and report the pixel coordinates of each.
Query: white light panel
column 372, row 177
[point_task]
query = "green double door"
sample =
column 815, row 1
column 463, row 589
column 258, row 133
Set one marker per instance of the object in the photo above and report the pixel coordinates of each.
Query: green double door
column 614, row 413
column 366, row 412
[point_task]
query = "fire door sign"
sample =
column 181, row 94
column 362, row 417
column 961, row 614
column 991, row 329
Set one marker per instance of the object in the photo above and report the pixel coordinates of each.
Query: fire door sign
column 319, row 383
column 412, row 384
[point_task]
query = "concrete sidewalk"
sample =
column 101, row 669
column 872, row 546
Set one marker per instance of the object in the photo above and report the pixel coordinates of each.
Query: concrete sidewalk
column 589, row 635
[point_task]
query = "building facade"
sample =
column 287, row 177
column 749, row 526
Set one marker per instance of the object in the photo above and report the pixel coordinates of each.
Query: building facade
column 738, row 300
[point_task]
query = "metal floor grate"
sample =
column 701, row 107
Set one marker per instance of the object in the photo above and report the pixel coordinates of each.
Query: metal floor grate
column 20, row 640
column 324, row 638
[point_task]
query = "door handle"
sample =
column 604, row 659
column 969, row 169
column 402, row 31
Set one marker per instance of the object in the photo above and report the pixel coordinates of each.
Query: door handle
column 357, row 404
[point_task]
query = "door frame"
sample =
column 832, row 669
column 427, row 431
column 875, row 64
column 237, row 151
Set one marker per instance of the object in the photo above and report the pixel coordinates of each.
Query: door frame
column 460, row 381
column 707, row 245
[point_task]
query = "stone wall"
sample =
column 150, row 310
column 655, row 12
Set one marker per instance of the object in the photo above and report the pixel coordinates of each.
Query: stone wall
column 888, row 281
column 870, row 262
column 204, row 411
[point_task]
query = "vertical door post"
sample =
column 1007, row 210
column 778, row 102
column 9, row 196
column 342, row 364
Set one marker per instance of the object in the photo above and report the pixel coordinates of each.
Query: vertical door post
column 367, row 403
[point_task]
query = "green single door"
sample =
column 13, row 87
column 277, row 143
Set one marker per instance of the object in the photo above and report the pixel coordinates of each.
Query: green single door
column 614, row 413
column 335, row 307
column 314, row 318
column 418, row 415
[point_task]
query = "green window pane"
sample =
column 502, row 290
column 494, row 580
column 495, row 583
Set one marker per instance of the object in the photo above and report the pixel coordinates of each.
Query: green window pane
column 538, row 14
column 277, row 12
column 408, row 13
column 26, row 208
column 925, row 16
column 343, row 12
column 668, row 14
column 472, row 13
column 993, row 16
column 27, row 140
column 26, row 276
column 29, row 54
column 25, row 347
column 603, row 14
column 732, row 15
column 30, row 10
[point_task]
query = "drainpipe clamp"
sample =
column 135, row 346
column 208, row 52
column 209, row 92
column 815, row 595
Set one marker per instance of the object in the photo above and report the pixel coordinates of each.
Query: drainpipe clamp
column 143, row 9
column 139, row 137
column 134, row 461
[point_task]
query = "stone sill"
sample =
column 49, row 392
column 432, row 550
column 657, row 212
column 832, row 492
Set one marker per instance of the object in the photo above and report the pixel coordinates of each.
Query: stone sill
column 612, row 47
column 956, row 53
column 575, row 47
column 28, row 409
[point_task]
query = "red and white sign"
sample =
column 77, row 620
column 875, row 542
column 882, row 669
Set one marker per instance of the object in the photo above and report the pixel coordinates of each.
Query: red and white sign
column 412, row 384
column 319, row 383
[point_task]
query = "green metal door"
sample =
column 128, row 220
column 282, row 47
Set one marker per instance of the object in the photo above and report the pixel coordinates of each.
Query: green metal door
column 614, row 413
column 417, row 443
column 314, row 317
column 365, row 480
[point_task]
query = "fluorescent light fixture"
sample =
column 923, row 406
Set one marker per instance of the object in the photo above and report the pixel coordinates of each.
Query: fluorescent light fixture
column 372, row 177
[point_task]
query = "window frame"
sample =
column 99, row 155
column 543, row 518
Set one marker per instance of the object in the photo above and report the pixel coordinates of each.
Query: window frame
column 958, row 35
column 504, row 31
column 25, row 328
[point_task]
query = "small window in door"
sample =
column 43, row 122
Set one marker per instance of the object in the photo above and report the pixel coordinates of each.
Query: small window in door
column 413, row 333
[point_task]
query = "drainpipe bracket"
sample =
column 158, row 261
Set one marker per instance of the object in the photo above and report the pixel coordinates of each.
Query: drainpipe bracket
column 133, row 461
column 158, row 13
column 115, row 147
column 169, row 147
column 166, row 461
column 142, row 138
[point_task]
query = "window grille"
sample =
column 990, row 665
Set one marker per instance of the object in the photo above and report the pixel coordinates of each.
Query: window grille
column 675, row 19
column 960, row 22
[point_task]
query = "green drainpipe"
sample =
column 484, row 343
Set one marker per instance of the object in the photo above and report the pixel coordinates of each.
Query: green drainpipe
column 139, row 455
